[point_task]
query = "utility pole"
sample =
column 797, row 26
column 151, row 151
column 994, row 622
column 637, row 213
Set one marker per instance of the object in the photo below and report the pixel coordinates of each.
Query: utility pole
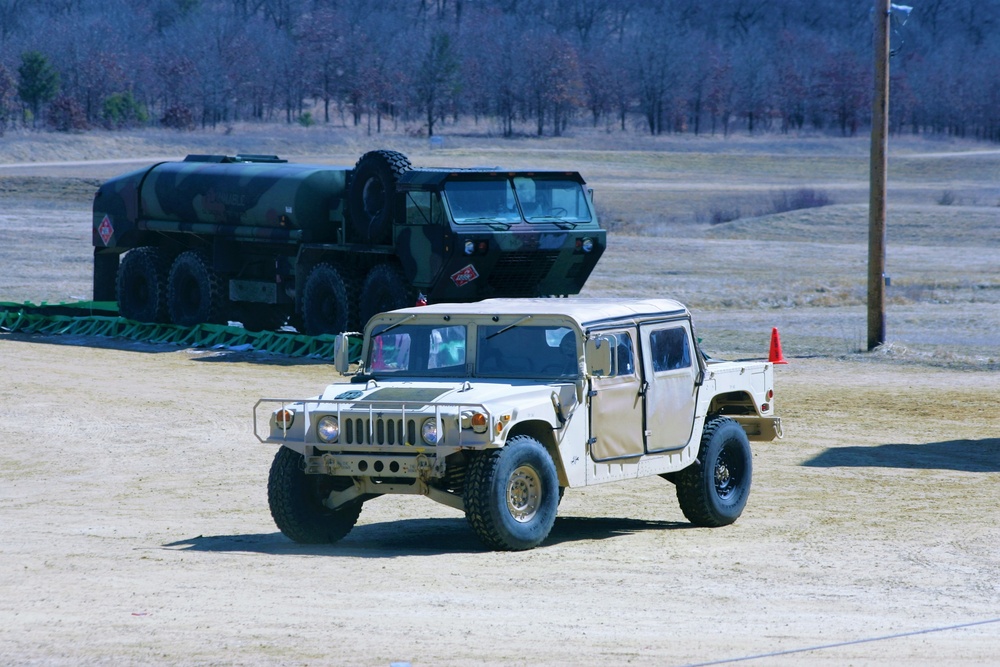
column 877, row 173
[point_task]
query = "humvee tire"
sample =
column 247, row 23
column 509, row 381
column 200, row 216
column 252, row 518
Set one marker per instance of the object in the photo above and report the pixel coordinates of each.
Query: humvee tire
column 325, row 307
column 296, row 502
column 194, row 290
column 372, row 197
column 713, row 491
column 512, row 494
column 141, row 285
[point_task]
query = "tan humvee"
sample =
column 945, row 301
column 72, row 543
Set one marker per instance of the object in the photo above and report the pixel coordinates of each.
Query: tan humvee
column 495, row 408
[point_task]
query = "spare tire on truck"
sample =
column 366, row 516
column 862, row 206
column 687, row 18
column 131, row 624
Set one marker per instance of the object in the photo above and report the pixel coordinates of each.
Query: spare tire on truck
column 372, row 197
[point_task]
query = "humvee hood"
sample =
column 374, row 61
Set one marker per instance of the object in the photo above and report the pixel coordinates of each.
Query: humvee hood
column 421, row 393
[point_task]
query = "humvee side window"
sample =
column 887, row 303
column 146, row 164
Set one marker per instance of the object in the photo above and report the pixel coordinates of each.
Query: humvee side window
column 623, row 353
column 670, row 349
column 418, row 349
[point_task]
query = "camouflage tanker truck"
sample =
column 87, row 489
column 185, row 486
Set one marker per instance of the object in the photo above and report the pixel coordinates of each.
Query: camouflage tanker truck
column 255, row 239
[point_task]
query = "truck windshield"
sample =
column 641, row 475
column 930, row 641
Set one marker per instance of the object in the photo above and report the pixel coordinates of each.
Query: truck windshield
column 530, row 198
column 418, row 350
column 538, row 352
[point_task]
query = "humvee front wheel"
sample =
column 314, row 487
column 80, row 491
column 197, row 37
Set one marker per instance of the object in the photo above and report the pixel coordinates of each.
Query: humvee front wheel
column 713, row 491
column 296, row 502
column 512, row 494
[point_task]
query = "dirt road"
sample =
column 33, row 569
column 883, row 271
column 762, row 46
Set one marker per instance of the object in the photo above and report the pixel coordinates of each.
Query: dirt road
column 135, row 530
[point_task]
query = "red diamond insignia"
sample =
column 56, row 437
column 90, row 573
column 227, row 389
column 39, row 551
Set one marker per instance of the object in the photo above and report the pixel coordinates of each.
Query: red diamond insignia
column 465, row 276
column 105, row 230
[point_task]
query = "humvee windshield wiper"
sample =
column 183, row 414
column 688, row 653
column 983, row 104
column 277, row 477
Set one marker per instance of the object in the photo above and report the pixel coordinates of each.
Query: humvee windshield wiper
column 509, row 327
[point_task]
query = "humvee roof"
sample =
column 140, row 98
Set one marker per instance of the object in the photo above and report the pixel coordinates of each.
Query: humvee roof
column 586, row 312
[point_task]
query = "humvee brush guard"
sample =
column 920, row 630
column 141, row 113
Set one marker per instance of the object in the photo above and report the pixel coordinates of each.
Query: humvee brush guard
column 495, row 408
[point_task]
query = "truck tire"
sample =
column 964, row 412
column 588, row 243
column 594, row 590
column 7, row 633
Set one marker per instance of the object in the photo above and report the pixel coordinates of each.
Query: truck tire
column 325, row 307
column 512, row 494
column 385, row 288
column 141, row 285
column 372, row 196
column 713, row 491
column 296, row 502
column 194, row 290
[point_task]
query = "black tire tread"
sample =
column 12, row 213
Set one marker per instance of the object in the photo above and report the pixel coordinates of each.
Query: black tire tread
column 154, row 262
column 213, row 311
column 300, row 519
column 692, row 488
column 323, row 277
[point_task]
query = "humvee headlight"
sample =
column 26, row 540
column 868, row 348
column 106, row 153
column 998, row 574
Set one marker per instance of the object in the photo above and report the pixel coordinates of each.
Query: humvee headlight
column 470, row 247
column 328, row 428
column 429, row 431
column 587, row 245
column 283, row 419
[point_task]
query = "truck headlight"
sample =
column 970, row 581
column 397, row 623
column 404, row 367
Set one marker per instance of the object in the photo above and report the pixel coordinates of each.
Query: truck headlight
column 328, row 428
column 429, row 431
column 587, row 245
column 470, row 247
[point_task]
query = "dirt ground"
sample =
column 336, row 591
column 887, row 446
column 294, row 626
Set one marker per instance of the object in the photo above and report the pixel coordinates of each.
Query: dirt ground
column 134, row 526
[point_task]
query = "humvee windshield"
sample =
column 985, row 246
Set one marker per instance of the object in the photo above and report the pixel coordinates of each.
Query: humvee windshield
column 519, row 351
column 511, row 200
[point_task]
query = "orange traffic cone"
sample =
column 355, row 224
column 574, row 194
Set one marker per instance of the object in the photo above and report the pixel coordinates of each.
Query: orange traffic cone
column 776, row 357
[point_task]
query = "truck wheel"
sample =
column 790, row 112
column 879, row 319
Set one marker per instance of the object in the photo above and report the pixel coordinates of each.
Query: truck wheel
column 325, row 308
column 194, row 292
column 296, row 502
column 713, row 491
column 372, row 196
column 141, row 285
column 384, row 289
column 512, row 494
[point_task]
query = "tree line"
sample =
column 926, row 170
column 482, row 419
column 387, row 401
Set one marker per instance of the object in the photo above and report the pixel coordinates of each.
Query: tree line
column 508, row 66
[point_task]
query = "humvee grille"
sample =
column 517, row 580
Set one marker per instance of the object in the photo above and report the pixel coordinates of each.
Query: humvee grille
column 518, row 274
column 386, row 431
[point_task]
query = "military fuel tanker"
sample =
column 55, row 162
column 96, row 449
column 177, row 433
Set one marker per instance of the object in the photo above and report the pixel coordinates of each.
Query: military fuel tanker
column 256, row 239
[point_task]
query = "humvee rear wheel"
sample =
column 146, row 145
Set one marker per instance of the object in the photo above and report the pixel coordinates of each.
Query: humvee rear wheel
column 713, row 491
column 141, row 285
column 296, row 502
column 194, row 290
column 384, row 289
column 325, row 307
column 512, row 494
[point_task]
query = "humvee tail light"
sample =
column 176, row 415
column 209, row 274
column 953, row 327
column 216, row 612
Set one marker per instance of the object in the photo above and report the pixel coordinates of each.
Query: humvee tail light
column 328, row 428
column 283, row 419
column 770, row 394
column 429, row 431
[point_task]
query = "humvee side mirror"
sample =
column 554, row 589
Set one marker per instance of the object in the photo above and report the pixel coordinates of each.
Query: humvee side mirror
column 600, row 355
column 342, row 354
